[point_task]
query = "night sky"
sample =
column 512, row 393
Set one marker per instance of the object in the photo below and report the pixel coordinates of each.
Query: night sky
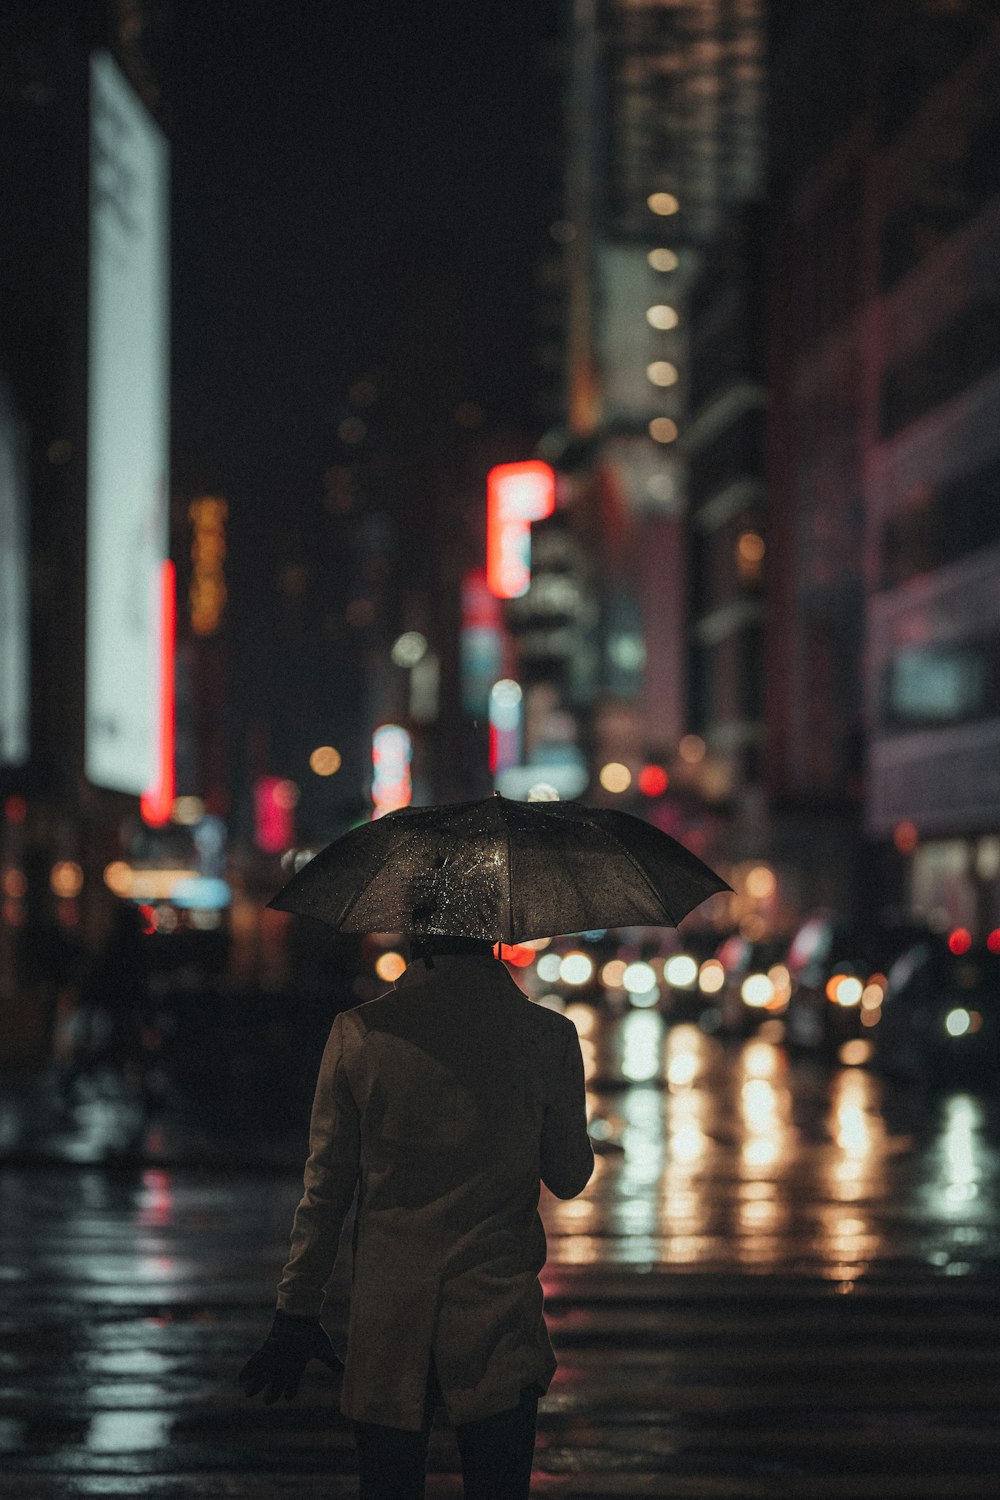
column 338, row 170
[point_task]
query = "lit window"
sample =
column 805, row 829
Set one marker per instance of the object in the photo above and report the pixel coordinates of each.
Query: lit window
column 661, row 315
column 661, row 372
column 749, row 555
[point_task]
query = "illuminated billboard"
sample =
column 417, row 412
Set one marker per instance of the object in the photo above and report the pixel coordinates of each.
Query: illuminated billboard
column 126, row 436
column 13, row 588
column 516, row 495
column 392, row 785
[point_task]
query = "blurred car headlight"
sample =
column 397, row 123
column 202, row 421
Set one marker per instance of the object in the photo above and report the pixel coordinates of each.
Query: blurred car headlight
column 680, row 971
column 757, row 991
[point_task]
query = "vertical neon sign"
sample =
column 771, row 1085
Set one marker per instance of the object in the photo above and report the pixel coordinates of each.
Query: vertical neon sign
column 516, row 495
column 158, row 799
column 392, row 752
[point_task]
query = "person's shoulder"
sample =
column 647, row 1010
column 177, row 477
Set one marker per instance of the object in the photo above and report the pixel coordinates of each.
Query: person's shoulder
column 548, row 1022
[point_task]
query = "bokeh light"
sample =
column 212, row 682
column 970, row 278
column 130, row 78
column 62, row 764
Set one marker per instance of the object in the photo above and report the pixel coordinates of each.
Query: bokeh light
column 661, row 372
column 615, row 777
column 638, row 978
column 757, row 991
column 681, row 971
column 653, row 781
column 390, row 966
column 409, row 648
column 325, row 760
column 548, row 967
column 905, row 837
column 662, row 316
column 66, row 879
column 760, row 883
column 692, row 749
column 576, row 968
column 711, row 976
column 662, row 259
column 662, row 204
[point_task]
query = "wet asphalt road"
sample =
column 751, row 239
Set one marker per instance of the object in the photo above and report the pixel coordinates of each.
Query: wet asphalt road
column 780, row 1282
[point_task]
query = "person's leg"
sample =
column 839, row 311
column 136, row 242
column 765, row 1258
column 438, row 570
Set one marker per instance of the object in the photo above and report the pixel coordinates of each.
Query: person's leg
column 392, row 1462
column 497, row 1451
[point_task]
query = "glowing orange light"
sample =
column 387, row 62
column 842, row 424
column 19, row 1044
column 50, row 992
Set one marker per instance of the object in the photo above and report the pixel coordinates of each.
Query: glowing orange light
column 390, row 966
column 993, row 941
column 653, row 781
column 905, row 837
column 157, row 803
column 66, row 878
column 751, row 547
column 692, row 749
column 960, row 941
column 208, row 593
column 516, row 495
column 518, row 954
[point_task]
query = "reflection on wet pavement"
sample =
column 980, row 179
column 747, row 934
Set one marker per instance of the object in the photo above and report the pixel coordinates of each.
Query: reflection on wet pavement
column 779, row 1281
column 740, row 1159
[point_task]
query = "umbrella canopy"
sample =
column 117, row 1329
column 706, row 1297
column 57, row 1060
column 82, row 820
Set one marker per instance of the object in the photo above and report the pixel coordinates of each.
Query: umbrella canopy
column 500, row 870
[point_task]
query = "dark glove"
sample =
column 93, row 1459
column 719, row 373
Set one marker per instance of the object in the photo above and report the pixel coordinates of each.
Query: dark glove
column 276, row 1368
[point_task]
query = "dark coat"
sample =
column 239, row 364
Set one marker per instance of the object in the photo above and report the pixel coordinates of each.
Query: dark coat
column 447, row 1100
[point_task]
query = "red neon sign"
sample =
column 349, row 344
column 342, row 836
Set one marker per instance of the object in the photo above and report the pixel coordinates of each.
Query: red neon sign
column 156, row 802
column 516, row 495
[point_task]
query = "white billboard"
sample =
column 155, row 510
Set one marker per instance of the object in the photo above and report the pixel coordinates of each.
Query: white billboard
column 127, row 437
column 13, row 588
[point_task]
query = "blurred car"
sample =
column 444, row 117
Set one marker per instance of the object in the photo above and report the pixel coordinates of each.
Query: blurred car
column 940, row 1020
column 837, row 970
column 746, row 982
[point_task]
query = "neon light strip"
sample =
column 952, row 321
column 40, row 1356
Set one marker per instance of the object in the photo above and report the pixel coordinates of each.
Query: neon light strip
column 156, row 803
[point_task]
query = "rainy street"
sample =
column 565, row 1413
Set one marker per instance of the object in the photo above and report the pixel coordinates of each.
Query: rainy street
column 781, row 1281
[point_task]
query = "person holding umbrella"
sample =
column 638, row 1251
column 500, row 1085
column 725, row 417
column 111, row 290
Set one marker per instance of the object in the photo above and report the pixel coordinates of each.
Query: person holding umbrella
column 443, row 1105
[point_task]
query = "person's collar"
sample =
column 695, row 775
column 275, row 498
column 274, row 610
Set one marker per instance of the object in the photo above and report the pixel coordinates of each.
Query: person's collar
column 417, row 970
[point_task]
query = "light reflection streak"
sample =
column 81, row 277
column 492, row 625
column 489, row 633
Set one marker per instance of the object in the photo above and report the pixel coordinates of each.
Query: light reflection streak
column 642, row 1045
column 960, row 1169
column 128, row 1431
column 717, row 1170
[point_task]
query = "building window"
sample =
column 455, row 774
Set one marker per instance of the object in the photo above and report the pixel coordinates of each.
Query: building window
column 957, row 356
column 940, row 525
column 926, row 687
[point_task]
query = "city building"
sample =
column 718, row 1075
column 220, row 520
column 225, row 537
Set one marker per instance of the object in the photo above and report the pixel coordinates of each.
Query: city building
column 883, row 754
column 662, row 137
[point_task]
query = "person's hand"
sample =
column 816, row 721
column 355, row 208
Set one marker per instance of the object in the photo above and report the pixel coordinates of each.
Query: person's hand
column 276, row 1368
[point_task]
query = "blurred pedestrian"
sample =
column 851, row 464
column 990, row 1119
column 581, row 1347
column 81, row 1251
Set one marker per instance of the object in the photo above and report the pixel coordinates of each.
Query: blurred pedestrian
column 441, row 1105
column 114, row 1004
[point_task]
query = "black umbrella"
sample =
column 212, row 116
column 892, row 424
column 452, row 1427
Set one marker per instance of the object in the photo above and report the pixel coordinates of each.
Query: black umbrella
column 501, row 870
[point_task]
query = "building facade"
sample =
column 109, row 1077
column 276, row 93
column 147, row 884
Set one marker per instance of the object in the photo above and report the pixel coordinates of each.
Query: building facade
column 884, row 613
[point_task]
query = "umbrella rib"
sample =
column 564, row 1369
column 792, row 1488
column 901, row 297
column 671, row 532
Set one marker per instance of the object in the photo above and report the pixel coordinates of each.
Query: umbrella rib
column 650, row 886
column 362, row 889
column 510, row 889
